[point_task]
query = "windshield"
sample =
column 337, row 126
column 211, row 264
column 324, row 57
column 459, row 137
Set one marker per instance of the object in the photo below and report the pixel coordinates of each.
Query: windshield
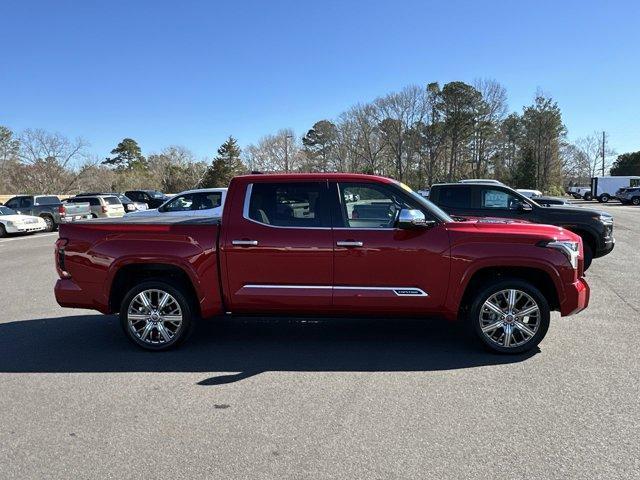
column 431, row 207
column 6, row 211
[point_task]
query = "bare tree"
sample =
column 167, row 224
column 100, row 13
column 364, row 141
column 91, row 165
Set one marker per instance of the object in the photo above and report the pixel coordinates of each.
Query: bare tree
column 50, row 162
column 275, row 153
column 591, row 148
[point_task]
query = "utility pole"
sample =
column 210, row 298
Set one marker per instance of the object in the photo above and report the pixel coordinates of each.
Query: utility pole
column 603, row 141
column 286, row 153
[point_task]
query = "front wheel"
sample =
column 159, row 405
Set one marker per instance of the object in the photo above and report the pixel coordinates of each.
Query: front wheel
column 50, row 226
column 635, row 201
column 604, row 198
column 3, row 231
column 588, row 196
column 156, row 315
column 510, row 316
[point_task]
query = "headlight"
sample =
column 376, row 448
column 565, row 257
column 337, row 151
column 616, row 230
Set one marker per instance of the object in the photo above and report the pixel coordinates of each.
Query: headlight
column 604, row 218
column 570, row 249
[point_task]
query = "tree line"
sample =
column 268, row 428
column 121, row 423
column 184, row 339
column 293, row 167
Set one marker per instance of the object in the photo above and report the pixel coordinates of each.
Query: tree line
column 420, row 135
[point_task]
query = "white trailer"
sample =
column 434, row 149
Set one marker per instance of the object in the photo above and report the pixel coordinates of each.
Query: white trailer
column 604, row 188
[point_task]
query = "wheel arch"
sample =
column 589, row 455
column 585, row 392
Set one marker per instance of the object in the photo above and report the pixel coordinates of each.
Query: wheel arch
column 538, row 277
column 129, row 275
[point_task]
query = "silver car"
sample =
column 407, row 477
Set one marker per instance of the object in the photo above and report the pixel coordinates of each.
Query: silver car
column 102, row 206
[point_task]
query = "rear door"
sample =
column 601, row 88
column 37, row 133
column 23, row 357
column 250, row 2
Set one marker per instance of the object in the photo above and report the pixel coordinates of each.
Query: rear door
column 455, row 199
column 278, row 248
column 379, row 268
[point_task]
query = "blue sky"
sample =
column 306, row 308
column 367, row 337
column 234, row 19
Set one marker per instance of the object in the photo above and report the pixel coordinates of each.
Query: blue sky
column 194, row 72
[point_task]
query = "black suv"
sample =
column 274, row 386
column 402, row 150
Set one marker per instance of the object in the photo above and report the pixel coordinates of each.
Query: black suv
column 485, row 200
column 151, row 197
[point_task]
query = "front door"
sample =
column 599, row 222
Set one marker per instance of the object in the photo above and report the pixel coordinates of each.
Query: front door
column 278, row 248
column 379, row 268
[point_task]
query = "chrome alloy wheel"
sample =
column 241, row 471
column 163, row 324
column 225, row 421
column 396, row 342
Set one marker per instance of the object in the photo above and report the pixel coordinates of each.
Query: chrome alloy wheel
column 154, row 316
column 509, row 318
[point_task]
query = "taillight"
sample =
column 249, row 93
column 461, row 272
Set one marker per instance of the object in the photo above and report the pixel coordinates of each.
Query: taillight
column 60, row 258
column 104, row 209
column 61, row 210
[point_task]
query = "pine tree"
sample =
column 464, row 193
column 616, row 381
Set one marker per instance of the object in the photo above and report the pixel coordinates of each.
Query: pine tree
column 224, row 167
column 127, row 155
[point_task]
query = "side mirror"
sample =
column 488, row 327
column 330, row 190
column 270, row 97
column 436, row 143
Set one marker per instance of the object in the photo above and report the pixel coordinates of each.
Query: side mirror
column 522, row 207
column 413, row 219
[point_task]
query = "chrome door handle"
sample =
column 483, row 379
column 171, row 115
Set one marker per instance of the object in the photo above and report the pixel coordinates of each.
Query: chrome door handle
column 349, row 243
column 245, row 243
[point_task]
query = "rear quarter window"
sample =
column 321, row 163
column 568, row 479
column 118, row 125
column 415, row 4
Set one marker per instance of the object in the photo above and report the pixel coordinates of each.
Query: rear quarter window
column 48, row 200
column 112, row 200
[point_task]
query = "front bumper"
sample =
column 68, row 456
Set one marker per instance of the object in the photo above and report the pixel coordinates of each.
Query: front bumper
column 606, row 248
column 26, row 228
column 576, row 298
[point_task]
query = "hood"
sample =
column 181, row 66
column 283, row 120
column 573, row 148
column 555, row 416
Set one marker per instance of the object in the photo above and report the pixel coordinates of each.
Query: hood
column 472, row 219
column 562, row 210
column 144, row 213
column 517, row 231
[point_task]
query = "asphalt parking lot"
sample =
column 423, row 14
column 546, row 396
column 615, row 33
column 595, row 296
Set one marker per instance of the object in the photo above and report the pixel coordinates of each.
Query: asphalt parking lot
column 344, row 399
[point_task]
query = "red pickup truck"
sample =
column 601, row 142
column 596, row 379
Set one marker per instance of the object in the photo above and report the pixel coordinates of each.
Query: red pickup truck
column 322, row 245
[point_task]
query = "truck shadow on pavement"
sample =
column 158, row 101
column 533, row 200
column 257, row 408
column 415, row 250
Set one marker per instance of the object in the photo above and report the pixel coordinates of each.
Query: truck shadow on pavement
column 95, row 343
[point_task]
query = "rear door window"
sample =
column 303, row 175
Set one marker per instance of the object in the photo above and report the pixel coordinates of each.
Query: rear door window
column 455, row 197
column 26, row 202
column 289, row 204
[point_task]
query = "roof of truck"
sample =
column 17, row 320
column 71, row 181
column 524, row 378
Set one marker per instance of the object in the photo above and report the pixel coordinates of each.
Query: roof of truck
column 312, row 176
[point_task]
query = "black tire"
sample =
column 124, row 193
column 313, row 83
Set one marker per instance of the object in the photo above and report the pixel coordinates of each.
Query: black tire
column 181, row 333
column 51, row 226
column 482, row 295
column 588, row 254
column 3, row 231
column 635, row 201
column 588, row 196
column 604, row 198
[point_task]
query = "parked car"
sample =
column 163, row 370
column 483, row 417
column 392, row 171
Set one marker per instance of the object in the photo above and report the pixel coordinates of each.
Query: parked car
column 529, row 193
column 286, row 245
column 102, row 206
column 582, row 193
column 206, row 201
column 152, row 198
column 552, row 201
column 50, row 209
column 630, row 195
column 595, row 227
column 128, row 204
column 13, row 222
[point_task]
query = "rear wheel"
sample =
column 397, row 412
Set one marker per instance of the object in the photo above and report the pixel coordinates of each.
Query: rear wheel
column 155, row 315
column 588, row 196
column 510, row 316
column 604, row 198
column 635, row 200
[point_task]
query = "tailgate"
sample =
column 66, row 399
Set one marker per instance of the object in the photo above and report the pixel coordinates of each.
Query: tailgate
column 73, row 209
